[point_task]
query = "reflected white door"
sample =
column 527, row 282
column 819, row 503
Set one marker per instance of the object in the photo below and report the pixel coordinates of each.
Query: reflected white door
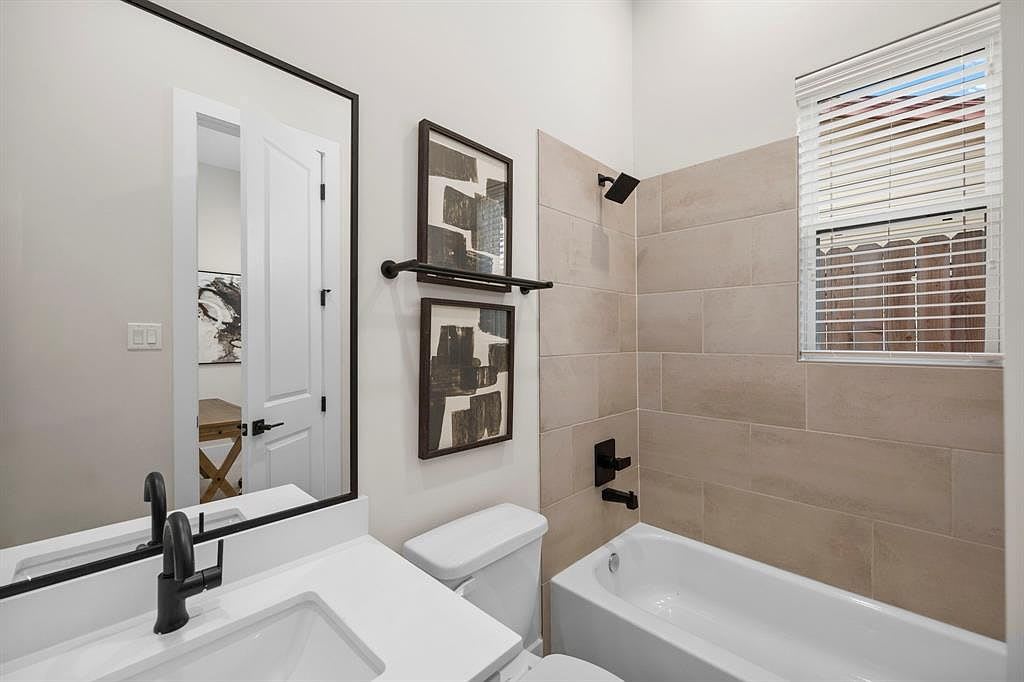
column 282, row 318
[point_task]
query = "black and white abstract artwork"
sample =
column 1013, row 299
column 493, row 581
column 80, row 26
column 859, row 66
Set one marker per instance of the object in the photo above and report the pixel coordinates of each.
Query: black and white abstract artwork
column 467, row 206
column 219, row 317
column 466, row 376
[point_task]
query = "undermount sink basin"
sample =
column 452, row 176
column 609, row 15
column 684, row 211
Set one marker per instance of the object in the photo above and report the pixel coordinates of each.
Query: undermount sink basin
column 298, row 640
column 56, row 560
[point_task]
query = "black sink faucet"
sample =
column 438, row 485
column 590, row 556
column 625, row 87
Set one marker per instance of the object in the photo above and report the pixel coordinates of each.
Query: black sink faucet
column 629, row 499
column 155, row 493
column 179, row 579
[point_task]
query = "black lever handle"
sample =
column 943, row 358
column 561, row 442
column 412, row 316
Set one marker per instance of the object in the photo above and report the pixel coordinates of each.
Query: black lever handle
column 260, row 426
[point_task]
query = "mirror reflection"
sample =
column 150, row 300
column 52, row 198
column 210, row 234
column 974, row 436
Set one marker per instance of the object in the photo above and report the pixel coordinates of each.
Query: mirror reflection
column 175, row 301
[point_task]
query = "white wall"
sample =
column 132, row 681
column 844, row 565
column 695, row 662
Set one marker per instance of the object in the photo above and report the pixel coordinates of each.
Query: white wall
column 495, row 72
column 715, row 78
column 219, row 249
column 1013, row 376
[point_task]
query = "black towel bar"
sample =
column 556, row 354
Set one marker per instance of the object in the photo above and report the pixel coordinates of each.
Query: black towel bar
column 390, row 269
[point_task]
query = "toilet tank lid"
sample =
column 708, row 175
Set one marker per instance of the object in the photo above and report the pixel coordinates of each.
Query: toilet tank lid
column 463, row 546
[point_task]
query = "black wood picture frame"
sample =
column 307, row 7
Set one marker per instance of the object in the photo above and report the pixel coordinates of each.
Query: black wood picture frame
column 425, row 128
column 426, row 319
column 74, row 572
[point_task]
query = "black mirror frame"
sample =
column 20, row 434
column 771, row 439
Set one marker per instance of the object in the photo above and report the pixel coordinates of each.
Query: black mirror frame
column 48, row 579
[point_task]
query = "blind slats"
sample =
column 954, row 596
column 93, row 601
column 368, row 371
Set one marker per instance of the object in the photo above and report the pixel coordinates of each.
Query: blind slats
column 900, row 181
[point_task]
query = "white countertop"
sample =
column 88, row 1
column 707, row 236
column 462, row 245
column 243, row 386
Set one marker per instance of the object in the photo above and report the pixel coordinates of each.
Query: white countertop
column 418, row 628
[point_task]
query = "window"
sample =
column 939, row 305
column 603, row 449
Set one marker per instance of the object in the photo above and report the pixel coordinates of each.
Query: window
column 900, row 173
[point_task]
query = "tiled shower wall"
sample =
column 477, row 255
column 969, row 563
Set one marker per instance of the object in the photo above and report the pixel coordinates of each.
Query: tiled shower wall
column 588, row 386
column 883, row 480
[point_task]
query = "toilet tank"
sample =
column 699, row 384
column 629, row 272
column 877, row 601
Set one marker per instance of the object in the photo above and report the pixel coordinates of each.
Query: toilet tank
column 492, row 557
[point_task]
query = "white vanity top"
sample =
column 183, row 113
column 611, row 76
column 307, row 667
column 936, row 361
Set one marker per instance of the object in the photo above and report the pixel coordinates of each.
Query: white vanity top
column 33, row 559
column 404, row 621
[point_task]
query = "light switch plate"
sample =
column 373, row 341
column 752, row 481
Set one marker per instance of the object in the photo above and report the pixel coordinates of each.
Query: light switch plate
column 145, row 336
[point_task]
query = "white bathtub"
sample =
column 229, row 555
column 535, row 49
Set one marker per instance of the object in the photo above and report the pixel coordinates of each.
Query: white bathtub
column 682, row 611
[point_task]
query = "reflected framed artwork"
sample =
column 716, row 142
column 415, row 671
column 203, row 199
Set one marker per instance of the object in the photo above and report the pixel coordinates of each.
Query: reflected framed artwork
column 465, row 207
column 466, row 370
column 219, row 317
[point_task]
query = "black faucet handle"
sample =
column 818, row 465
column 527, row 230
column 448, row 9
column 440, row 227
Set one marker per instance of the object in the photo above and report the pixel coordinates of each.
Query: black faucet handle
column 214, row 575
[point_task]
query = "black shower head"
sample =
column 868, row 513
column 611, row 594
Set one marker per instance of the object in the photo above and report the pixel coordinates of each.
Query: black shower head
column 621, row 188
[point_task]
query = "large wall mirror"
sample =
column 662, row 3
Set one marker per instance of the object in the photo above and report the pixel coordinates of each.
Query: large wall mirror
column 176, row 285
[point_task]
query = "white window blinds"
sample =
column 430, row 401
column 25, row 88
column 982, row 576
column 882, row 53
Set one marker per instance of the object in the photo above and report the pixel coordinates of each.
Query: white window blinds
column 900, row 170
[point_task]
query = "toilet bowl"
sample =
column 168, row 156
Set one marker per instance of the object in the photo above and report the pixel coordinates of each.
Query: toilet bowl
column 492, row 559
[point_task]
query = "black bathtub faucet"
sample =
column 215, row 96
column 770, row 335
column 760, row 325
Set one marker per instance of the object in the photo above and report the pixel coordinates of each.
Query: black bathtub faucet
column 629, row 499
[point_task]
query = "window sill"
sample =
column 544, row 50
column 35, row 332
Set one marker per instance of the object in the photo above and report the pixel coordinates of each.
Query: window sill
column 864, row 357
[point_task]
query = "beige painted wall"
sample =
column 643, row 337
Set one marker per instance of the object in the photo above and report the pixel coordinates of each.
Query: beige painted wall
column 85, row 247
column 883, row 480
column 588, row 353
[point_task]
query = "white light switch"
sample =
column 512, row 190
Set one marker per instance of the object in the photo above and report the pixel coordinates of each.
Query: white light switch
column 145, row 336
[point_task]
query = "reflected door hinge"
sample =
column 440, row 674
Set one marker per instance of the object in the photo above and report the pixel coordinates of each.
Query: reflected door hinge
column 323, row 296
column 323, row 191
column 323, row 403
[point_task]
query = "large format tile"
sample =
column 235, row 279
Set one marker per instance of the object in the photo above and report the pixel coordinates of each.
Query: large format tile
column 627, row 322
column 576, row 320
column 580, row 523
column 761, row 389
column 648, row 206
column 978, row 487
column 568, row 390
column 648, row 381
column 573, row 251
column 707, row 449
column 616, row 383
column 621, row 427
column 898, row 482
column 774, row 250
column 951, row 580
column 556, row 465
column 701, row 258
column 568, row 179
column 948, row 407
column 673, row 503
column 669, row 322
column 818, row 543
column 751, row 320
column 752, row 182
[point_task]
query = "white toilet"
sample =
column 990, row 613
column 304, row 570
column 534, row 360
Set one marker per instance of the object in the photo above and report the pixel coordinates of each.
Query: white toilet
column 492, row 558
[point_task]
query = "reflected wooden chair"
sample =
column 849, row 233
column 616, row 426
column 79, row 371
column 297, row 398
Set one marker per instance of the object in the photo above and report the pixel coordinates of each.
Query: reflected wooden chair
column 218, row 420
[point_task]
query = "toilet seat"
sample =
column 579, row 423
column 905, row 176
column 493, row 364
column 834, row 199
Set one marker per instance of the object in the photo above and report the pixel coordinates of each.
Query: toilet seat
column 559, row 668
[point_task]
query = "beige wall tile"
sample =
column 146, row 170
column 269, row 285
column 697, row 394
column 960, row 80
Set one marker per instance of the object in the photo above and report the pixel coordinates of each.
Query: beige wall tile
column 627, row 322
column 556, row 465
column 649, row 381
column 978, row 487
column 673, row 503
column 580, row 523
column 751, row 320
column 567, row 179
column 621, row 427
column 752, row 182
column 554, row 230
column 708, row 449
column 818, row 543
column 566, row 312
column 898, row 482
column 948, row 407
column 648, row 206
column 774, row 251
column 568, row 390
column 616, row 383
column 762, row 389
column 944, row 578
column 618, row 217
column 669, row 322
column 701, row 258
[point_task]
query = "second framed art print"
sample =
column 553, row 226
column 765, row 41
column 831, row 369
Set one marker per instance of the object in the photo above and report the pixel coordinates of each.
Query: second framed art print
column 464, row 213
column 466, row 370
